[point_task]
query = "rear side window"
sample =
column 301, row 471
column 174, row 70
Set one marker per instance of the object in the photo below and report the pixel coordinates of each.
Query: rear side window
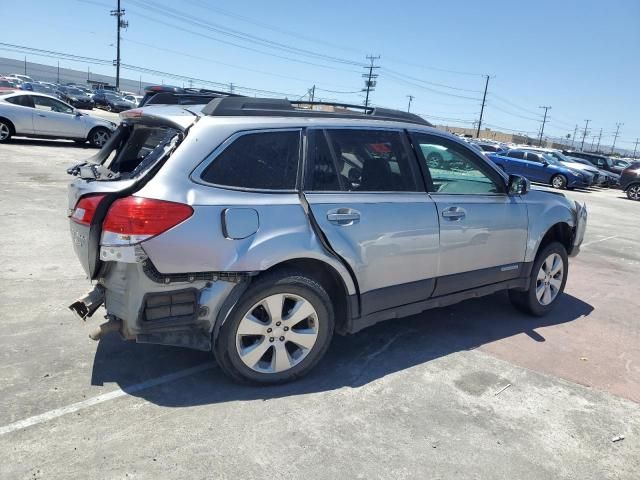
column 363, row 161
column 263, row 161
column 22, row 100
column 515, row 154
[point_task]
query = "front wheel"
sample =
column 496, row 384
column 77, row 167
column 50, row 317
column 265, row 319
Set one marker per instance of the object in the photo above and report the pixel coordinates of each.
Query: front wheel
column 278, row 332
column 99, row 136
column 547, row 281
column 633, row 192
column 559, row 181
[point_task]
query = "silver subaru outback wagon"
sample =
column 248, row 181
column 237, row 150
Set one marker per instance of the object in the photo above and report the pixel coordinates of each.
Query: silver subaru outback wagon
column 256, row 228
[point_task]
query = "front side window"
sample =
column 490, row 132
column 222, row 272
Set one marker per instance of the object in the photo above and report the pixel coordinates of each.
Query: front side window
column 261, row 160
column 51, row 105
column 362, row 161
column 534, row 157
column 453, row 169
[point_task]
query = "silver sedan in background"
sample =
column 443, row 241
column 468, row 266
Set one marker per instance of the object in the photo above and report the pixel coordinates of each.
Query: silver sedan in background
column 31, row 114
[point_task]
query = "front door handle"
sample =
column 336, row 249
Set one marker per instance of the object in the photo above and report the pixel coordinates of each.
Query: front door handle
column 343, row 216
column 41, row 115
column 454, row 213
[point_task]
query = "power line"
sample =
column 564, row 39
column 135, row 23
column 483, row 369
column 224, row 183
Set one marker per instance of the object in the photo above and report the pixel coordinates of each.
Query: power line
column 442, row 85
column 393, row 77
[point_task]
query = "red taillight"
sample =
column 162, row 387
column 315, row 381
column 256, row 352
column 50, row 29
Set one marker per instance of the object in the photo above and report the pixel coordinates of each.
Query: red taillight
column 143, row 217
column 86, row 209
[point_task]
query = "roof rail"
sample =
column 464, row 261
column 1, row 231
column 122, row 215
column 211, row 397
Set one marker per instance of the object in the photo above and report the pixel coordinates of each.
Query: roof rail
column 276, row 107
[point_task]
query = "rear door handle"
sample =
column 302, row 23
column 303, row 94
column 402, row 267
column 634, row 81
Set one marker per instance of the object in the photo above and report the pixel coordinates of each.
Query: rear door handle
column 454, row 213
column 41, row 115
column 343, row 216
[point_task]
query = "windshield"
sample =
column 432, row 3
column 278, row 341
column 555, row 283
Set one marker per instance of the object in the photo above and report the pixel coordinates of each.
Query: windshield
column 550, row 159
column 75, row 91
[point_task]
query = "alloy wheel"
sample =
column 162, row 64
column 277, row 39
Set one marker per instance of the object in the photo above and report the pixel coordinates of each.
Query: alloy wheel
column 4, row 131
column 277, row 333
column 558, row 181
column 100, row 137
column 634, row 192
column 549, row 280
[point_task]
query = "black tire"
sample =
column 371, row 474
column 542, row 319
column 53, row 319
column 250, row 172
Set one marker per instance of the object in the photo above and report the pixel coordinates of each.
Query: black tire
column 95, row 136
column 283, row 282
column 559, row 181
column 526, row 300
column 6, row 130
column 109, row 108
column 633, row 192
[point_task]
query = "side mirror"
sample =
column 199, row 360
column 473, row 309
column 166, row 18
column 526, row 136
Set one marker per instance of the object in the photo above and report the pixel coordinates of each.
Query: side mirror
column 518, row 185
column 545, row 163
column 77, row 113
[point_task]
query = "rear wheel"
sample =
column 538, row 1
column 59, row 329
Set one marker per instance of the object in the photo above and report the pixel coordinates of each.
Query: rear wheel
column 547, row 281
column 278, row 332
column 5, row 131
column 559, row 181
column 633, row 192
column 99, row 136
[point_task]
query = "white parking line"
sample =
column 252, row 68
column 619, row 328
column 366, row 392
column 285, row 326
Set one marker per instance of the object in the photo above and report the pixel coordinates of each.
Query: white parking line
column 89, row 402
column 598, row 241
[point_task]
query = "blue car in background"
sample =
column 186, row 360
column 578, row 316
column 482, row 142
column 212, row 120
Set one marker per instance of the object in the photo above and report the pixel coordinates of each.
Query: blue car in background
column 539, row 167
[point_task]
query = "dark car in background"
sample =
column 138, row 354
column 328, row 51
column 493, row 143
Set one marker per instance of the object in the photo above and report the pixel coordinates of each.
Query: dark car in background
column 76, row 97
column 38, row 88
column 540, row 168
column 613, row 179
column 600, row 161
column 630, row 181
column 111, row 101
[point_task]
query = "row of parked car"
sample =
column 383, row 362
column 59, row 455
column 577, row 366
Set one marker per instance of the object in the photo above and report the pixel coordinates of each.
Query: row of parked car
column 76, row 95
column 562, row 169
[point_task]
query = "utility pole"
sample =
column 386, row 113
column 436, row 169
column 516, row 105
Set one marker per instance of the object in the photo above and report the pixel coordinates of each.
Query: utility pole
column 599, row 138
column 593, row 141
column 584, row 134
column 484, row 99
column 231, row 87
column 312, row 94
column 58, row 76
column 411, row 97
column 635, row 147
column 25, row 64
column 615, row 137
column 575, row 131
column 119, row 13
column 544, row 120
column 370, row 82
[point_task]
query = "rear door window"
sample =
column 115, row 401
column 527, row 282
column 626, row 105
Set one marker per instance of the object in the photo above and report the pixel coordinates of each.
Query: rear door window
column 259, row 161
column 364, row 161
column 515, row 154
column 22, row 100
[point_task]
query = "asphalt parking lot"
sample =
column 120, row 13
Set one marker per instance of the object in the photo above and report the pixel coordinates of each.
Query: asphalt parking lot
column 422, row 397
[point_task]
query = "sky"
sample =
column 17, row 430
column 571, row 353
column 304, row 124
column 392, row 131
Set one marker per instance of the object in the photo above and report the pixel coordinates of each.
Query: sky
column 579, row 57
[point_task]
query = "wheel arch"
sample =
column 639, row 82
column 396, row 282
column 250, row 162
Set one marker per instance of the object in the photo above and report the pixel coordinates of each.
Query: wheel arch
column 560, row 232
column 344, row 303
column 93, row 129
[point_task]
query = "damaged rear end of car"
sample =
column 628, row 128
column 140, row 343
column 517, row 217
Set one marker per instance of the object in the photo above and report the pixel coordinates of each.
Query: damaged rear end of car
column 110, row 221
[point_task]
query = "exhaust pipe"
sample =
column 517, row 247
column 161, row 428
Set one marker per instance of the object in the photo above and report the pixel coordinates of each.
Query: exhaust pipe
column 113, row 325
column 86, row 306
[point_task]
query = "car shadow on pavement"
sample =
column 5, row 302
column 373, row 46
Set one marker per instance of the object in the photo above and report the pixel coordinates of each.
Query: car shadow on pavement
column 31, row 142
column 352, row 361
